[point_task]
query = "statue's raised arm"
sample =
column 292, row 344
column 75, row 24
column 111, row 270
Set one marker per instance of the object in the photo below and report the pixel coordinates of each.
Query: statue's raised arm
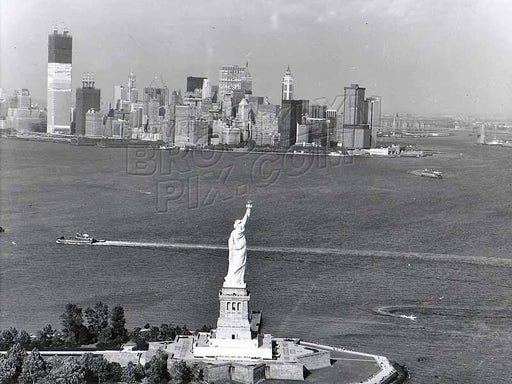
column 237, row 252
column 247, row 213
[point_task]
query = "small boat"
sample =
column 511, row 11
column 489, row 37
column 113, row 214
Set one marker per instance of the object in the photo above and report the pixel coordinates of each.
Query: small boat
column 83, row 236
column 410, row 317
column 431, row 173
column 167, row 146
column 79, row 239
column 495, row 142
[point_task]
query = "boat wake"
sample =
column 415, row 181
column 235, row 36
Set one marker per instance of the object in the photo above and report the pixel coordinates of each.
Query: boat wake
column 398, row 311
column 482, row 260
column 140, row 244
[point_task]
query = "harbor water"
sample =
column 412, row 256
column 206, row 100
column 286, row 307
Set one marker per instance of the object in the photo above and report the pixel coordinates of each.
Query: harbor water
column 339, row 248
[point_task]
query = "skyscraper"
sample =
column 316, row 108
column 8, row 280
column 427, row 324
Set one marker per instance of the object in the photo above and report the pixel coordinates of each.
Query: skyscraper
column 332, row 125
column 24, row 100
column 133, row 93
column 59, row 82
column 160, row 94
column 120, row 96
column 87, row 98
column 355, row 132
column 287, row 86
column 374, row 118
column 206, row 91
column 291, row 114
column 355, row 107
column 194, row 82
column 93, row 123
column 234, row 78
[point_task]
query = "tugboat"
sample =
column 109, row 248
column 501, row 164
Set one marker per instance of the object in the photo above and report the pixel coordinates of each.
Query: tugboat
column 79, row 239
column 431, row 173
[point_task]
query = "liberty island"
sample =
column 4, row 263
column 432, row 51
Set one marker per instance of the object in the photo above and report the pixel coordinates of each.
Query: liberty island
column 237, row 351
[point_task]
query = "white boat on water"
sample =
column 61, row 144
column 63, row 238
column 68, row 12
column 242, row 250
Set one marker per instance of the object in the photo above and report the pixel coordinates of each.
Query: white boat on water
column 432, row 173
column 79, row 239
column 495, row 142
column 410, row 317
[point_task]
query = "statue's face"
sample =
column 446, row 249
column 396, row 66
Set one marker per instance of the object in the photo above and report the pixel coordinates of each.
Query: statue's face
column 238, row 224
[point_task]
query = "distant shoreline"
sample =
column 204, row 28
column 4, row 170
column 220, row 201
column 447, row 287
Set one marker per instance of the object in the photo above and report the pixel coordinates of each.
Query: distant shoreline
column 160, row 145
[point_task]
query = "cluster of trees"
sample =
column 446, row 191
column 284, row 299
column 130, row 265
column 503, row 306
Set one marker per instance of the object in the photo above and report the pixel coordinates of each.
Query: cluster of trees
column 101, row 329
column 18, row 367
column 102, row 325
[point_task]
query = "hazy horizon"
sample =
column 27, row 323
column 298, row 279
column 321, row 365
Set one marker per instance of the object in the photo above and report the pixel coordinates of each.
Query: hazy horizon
column 422, row 57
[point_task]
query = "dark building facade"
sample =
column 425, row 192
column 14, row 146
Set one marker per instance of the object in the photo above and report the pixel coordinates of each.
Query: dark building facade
column 355, row 108
column 194, row 83
column 317, row 111
column 291, row 114
column 60, row 48
column 159, row 94
column 87, row 98
column 355, row 131
column 215, row 92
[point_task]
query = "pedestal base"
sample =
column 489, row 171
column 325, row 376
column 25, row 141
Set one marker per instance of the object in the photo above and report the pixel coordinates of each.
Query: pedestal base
column 233, row 322
column 234, row 349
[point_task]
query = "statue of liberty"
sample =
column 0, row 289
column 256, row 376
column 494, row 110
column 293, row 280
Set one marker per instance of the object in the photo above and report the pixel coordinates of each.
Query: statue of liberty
column 237, row 252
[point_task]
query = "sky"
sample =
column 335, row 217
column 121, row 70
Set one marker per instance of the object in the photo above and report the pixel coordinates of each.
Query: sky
column 423, row 57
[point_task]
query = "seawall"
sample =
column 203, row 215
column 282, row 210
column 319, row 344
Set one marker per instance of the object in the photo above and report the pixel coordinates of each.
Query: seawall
column 386, row 374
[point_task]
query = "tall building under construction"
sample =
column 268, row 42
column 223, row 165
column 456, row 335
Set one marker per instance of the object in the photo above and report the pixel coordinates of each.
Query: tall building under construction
column 87, row 98
column 59, row 82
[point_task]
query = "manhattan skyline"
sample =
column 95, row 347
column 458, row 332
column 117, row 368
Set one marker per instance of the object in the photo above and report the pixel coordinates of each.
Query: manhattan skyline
column 422, row 57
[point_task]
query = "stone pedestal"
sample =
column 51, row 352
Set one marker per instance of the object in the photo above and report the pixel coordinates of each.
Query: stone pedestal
column 233, row 340
column 233, row 322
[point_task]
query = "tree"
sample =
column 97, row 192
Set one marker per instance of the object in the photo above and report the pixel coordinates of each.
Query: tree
column 97, row 319
column 128, row 375
column 166, row 333
column 115, row 372
column 157, row 368
column 34, row 368
column 7, row 370
column 181, row 372
column 45, row 336
column 69, row 372
column 118, row 322
column 8, row 338
column 198, row 373
column 16, row 355
column 96, row 367
column 132, row 373
column 155, row 331
column 74, row 329
column 205, row 328
column 53, row 362
column 24, row 339
column 185, row 331
column 151, row 333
